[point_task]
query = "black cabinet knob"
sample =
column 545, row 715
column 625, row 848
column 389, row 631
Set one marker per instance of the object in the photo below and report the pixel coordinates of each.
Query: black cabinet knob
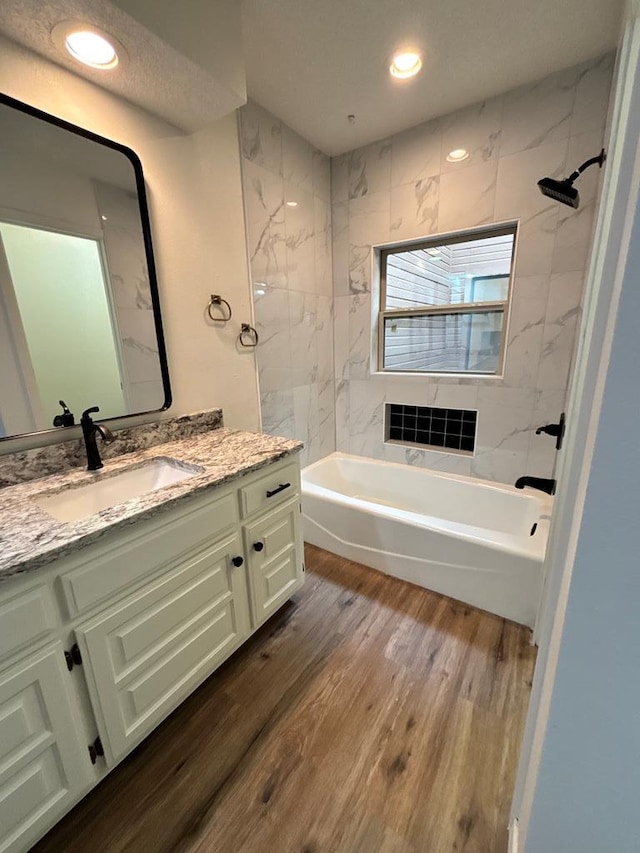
column 258, row 546
column 237, row 562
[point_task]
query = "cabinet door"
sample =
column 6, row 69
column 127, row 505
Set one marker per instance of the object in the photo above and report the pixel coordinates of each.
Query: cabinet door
column 275, row 559
column 146, row 654
column 44, row 765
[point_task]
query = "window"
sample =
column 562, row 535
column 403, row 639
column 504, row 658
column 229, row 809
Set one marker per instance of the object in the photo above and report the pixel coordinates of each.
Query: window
column 444, row 303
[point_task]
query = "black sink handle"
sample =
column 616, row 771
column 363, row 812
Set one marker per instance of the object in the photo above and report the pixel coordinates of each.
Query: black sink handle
column 86, row 415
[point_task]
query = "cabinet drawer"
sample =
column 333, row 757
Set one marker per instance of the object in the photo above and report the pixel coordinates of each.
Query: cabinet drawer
column 25, row 618
column 270, row 490
column 113, row 569
column 43, row 766
column 275, row 570
column 147, row 654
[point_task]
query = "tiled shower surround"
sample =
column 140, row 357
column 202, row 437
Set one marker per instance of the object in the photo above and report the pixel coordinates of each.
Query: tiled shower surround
column 124, row 246
column 403, row 188
column 290, row 258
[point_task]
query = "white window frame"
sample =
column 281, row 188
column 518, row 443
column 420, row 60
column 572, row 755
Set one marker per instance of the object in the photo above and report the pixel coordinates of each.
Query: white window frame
column 497, row 230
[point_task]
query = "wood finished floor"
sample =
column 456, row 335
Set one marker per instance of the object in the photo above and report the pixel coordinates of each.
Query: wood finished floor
column 367, row 716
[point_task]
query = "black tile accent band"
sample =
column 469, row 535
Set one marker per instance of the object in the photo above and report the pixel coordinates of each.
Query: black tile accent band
column 448, row 429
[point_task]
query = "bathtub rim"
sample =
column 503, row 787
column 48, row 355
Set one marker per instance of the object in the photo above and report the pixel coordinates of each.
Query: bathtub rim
column 545, row 501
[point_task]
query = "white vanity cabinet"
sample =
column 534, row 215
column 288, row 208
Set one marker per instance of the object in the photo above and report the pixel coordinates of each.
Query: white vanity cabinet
column 274, row 563
column 99, row 647
column 272, row 539
column 145, row 655
column 43, row 767
column 43, row 761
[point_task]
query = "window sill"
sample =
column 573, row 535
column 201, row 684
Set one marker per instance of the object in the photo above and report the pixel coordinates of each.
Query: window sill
column 480, row 377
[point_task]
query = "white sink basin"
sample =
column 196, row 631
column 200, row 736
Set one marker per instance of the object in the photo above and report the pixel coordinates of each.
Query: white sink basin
column 108, row 491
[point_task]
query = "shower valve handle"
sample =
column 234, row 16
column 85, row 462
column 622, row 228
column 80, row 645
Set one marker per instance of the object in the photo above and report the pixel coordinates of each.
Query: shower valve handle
column 556, row 430
column 549, row 429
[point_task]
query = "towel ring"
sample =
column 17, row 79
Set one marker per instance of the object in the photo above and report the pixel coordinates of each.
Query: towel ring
column 247, row 330
column 218, row 301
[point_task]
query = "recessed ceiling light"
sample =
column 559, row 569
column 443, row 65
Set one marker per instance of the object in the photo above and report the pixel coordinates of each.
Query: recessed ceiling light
column 405, row 64
column 92, row 49
column 88, row 44
column 457, row 155
column 292, row 204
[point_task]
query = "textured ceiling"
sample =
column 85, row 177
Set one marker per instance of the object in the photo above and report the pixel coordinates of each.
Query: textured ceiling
column 312, row 62
column 157, row 76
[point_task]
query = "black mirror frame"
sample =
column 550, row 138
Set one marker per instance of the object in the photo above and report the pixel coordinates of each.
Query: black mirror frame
column 133, row 158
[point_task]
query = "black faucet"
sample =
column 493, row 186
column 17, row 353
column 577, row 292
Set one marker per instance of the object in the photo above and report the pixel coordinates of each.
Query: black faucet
column 548, row 486
column 89, row 430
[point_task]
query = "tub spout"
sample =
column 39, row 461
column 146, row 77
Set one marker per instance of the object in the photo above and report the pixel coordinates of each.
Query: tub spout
column 548, row 486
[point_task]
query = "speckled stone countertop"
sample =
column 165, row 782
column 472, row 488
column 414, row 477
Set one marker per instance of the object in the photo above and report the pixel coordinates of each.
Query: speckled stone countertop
column 70, row 453
column 30, row 537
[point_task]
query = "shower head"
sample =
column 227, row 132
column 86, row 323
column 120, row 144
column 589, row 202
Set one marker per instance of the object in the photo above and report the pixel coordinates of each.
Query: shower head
column 564, row 191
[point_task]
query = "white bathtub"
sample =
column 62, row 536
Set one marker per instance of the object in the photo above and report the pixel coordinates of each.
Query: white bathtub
column 465, row 538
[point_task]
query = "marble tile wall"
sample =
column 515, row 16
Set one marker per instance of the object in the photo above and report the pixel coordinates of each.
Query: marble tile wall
column 403, row 188
column 291, row 274
column 128, row 273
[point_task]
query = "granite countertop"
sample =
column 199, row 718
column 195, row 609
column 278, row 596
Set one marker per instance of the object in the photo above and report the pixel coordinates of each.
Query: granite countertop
column 31, row 538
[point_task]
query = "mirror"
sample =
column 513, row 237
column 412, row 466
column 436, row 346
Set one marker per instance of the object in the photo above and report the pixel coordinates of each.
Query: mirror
column 79, row 311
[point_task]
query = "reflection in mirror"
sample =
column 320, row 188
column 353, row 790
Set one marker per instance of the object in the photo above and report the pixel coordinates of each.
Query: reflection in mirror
column 79, row 311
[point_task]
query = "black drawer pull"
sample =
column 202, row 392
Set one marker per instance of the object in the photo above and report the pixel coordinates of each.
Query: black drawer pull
column 258, row 546
column 280, row 488
column 237, row 562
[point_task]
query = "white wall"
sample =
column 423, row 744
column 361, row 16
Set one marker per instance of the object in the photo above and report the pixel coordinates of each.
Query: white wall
column 195, row 196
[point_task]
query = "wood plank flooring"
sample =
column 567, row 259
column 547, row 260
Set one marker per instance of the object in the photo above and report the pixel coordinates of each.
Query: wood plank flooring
column 367, row 716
